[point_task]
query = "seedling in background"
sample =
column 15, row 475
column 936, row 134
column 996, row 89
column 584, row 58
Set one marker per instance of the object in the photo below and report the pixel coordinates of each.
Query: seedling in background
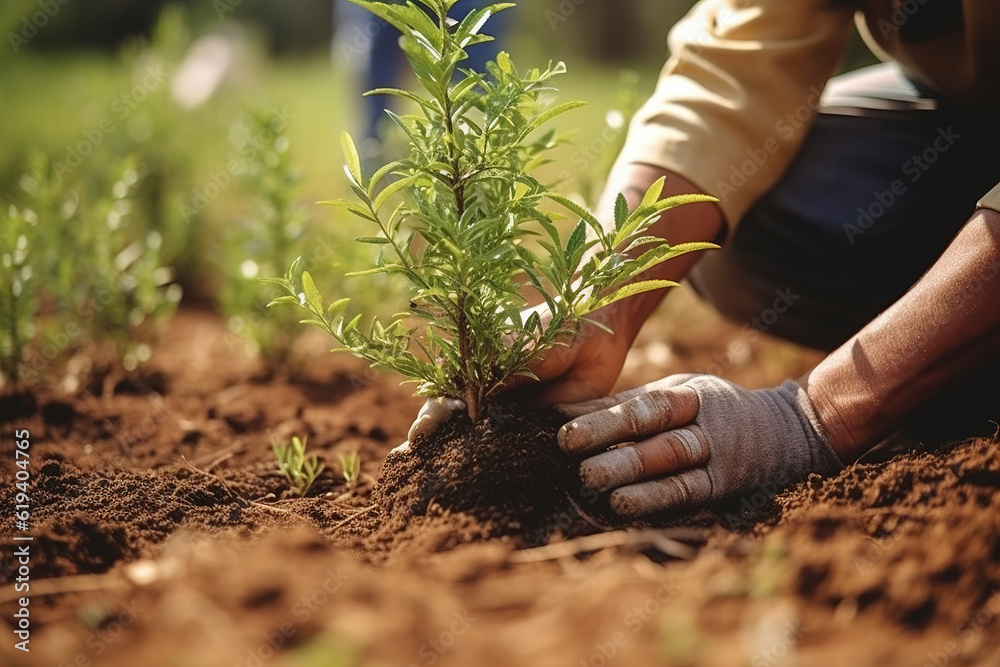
column 470, row 234
column 103, row 280
column 265, row 241
column 350, row 467
column 301, row 469
column 127, row 290
column 17, row 293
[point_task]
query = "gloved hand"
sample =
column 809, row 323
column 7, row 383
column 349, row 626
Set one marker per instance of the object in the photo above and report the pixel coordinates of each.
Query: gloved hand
column 695, row 439
column 433, row 413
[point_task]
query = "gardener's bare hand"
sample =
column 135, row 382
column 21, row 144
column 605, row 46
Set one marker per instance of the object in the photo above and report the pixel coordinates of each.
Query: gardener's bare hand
column 688, row 440
column 585, row 369
column 590, row 365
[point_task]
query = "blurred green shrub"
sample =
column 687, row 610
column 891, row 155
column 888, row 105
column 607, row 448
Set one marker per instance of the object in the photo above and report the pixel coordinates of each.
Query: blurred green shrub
column 260, row 243
column 277, row 229
column 78, row 269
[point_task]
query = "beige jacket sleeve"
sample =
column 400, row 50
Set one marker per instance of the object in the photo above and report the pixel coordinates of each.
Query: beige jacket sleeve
column 738, row 94
column 991, row 199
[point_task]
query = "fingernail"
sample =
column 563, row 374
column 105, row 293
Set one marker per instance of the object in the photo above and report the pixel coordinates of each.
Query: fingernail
column 401, row 449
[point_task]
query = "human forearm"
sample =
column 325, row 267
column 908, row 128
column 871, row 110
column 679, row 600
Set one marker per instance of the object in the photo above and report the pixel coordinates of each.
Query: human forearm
column 944, row 326
column 691, row 222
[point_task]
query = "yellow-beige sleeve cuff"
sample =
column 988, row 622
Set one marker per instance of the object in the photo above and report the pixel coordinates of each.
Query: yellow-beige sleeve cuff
column 991, row 199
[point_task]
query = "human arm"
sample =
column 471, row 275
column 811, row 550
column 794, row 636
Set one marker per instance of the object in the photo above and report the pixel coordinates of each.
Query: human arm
column 946, row 325
column 736, row 97
column 700, row 439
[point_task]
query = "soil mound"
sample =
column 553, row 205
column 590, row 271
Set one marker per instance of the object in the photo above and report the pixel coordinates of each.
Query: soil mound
column 502, row 477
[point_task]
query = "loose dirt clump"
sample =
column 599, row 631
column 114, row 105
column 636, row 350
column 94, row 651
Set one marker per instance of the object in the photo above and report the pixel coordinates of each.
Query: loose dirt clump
column 502, row 477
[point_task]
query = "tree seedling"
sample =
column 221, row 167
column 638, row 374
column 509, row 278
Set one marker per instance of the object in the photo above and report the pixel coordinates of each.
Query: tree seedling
column 300, row 468
column 462, row 219
column 263, row 242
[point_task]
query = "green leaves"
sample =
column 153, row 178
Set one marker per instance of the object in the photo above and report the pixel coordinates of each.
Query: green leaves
column 468, row 229
column 301, row 469
column 621, row 211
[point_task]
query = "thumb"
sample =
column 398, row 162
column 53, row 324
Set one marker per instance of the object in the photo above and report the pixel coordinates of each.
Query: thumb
column 433, row 413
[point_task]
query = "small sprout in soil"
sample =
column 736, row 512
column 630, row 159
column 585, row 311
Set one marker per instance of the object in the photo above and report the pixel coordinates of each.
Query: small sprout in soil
column 350, row 467
column 301, row 469
column 461, row 218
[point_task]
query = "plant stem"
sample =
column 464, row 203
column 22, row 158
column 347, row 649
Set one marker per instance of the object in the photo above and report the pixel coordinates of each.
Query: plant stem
column 472, row 390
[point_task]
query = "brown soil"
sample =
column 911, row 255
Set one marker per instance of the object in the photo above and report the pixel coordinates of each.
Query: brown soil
column 163, row 536
column 505, row 473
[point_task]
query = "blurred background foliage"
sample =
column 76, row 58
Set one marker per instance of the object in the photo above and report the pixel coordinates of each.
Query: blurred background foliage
column 180, row 90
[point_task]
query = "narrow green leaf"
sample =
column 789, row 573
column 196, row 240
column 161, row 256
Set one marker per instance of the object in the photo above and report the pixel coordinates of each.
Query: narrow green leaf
column 462, row 88
column 503, row 61
column 336, row 310
column 579, row 210
column 382, row 10
column 352, row 206
column 390, row 190
column 380, row 174
column 396, row 92
column 600, row 325
column 639, row 241
column 351, row 155
column 621, row 211
column 313, row 297
column 575, row 247
column 629, row 290
column 388, row 268
column 283, row 299
column 653, row 193
column 660, row 254
column 549, row 115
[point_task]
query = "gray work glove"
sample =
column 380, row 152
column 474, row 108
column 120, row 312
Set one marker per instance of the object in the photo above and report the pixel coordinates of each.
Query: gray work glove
column 690, row 440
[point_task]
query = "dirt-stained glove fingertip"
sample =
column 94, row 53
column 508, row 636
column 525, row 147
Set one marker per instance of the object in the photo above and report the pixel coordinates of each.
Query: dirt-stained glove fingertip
column 569, row 438
column 594, row 476
column 626, row 504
